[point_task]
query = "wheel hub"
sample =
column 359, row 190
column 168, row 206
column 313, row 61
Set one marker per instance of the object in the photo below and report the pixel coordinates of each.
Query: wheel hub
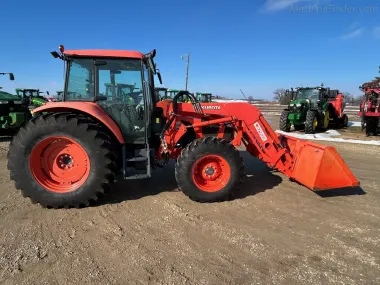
column 59, row 164
column 65, row 161
column 211, row 173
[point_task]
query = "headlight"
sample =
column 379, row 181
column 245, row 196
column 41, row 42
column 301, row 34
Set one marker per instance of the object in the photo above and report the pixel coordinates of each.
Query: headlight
column 18, row 102
column 4, row 102
column 299, row 105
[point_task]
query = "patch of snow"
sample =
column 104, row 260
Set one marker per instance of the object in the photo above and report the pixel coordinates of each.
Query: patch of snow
column 271, row 113
column 229, row 101
column 328, row 136
column 354, row 124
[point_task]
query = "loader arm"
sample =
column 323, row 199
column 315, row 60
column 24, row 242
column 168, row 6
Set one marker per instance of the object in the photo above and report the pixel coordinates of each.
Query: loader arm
column 315, row 166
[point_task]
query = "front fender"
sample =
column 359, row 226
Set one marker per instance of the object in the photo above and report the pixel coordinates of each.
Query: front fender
column 90, row 108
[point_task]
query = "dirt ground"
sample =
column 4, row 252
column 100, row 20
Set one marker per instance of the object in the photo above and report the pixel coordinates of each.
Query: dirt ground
column 145, row 232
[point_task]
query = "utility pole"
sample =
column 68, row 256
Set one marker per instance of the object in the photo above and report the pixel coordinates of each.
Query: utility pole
column 187, row 67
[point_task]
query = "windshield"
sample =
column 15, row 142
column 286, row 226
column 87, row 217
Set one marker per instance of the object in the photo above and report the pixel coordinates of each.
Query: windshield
column 118, row 80
column 80, row 81
column 312, row 94
column 162, row 94
column 118, row 90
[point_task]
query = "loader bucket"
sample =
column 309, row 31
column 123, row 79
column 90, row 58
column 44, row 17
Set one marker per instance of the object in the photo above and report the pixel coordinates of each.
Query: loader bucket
column 319, row 167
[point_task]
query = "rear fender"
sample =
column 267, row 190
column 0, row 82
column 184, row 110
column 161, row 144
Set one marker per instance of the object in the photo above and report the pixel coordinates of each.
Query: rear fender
column 89, row 108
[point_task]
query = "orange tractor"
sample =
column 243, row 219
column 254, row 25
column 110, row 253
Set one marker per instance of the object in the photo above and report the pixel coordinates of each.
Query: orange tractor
column 72, row 151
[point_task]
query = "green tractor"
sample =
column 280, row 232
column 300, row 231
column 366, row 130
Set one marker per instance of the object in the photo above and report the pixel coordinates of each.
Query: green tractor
column 312, row 109
column 161, row 93
column 32, row 97
column 203, row 97
column 13, row 111
column 172, row 92
column 125, row 91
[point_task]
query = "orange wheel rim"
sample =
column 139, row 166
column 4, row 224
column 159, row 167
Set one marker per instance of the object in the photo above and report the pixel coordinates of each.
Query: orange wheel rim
column 59, row 164
column 211, row 173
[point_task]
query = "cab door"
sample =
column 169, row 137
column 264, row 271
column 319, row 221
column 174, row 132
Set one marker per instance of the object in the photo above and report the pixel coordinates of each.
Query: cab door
column 123, row 107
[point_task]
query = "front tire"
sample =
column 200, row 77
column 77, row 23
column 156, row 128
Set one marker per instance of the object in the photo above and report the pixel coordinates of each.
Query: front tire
column 209, row 169
column 284, row 121
column 311, row 122
column 61, row 161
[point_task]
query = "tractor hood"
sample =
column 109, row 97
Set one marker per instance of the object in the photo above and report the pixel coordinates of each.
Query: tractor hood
column 299, row 101
column 5, row 96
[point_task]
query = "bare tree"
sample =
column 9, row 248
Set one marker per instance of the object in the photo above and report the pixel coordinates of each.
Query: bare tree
column 282, row 97
column 348, row 97
column 278, row 93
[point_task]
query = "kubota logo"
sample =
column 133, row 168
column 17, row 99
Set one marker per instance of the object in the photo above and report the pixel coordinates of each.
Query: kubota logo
column 211, row 107
column 261, row 132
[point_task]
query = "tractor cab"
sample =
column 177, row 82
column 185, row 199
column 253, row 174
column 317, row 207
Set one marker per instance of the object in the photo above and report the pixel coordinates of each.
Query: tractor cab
column 32, row 97
column 204, row 97
column 311, row 94
column 121, row 83
column 172, row 92
column 161, row 93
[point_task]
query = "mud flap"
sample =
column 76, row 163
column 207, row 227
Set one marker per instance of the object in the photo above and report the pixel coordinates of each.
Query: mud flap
column 319, row 167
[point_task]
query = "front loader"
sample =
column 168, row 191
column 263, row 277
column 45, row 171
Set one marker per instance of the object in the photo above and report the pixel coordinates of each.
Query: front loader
column 71, row 152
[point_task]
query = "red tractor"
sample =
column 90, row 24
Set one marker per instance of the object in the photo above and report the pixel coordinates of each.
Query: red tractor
column 370, row 107
column 72, row 151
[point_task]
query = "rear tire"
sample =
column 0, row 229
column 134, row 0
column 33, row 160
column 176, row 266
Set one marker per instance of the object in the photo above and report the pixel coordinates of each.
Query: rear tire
column 35, row 161
column 221, row 160
column 311, row 122
column 284, row 121
column 345, row 121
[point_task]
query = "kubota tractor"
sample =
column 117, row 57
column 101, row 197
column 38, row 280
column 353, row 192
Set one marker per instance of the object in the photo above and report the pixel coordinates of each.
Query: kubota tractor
column 370, row 107
column 313, row 108
column 70, row 155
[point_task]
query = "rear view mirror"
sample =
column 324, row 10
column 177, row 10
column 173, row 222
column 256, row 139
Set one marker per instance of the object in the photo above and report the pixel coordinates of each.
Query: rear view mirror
column 11, row 76
column 159, row 77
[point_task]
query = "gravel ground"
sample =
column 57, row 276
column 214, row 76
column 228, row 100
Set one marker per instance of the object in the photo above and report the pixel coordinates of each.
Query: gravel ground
column 145, row 232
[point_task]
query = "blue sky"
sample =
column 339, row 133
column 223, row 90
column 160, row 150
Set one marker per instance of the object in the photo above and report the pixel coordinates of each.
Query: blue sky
column 256, row 46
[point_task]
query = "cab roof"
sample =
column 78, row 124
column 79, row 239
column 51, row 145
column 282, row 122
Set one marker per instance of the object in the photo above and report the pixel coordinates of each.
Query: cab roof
column 105, row 53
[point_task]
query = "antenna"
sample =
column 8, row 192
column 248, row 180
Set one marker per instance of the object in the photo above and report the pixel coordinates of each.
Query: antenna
column 243, row 95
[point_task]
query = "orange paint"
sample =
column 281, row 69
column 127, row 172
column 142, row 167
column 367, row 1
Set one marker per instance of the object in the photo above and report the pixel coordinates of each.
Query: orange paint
column 105, row 53
column 59, row 164
column 211, row 173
